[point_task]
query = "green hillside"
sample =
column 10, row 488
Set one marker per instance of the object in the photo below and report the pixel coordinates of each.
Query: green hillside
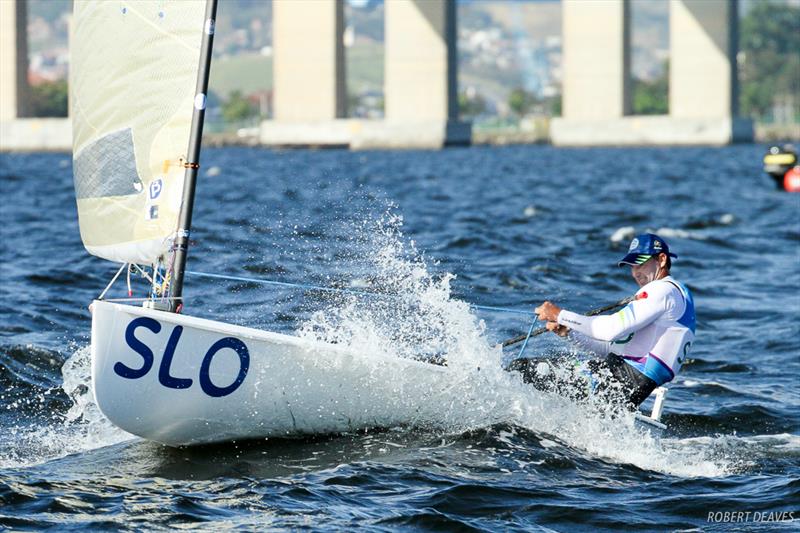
column 247, row 73
column 364, row 67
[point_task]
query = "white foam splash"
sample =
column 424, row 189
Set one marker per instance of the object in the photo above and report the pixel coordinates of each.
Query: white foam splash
column 476, row 392
column 677, row 233
column 83, row 427
column 493, row 396
column 625, row 233
column 738, row 453
column 726, row 219
column 419, row 316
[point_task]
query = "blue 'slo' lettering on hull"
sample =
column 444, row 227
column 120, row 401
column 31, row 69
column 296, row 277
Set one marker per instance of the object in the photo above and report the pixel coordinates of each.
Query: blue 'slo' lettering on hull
column 165, row 377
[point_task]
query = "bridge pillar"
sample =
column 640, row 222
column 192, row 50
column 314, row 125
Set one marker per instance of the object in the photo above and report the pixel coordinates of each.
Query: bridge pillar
column 703, row 80
column 702, row 70
column 420, row 86
column 596, row 59
column 420, row 70
column 308, row 69
column 595, row 89
column 421, row 77
column 13, row 59
column 703, row 89
column 309, row 88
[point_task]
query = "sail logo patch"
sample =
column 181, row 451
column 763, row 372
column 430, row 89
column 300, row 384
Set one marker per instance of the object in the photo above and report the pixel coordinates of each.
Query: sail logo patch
column 155, row 188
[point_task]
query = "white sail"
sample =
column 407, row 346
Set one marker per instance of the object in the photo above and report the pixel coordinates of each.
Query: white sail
column 133, row 72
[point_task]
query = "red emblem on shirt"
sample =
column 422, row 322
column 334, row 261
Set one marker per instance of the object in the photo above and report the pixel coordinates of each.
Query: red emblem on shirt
column 641, row 296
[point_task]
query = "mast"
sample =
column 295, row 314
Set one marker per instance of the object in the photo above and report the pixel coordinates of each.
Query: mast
column 192, row 164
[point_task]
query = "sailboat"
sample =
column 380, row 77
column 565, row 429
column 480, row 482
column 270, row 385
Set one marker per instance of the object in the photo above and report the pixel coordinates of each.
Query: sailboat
column 138, row 84
column 139, row 78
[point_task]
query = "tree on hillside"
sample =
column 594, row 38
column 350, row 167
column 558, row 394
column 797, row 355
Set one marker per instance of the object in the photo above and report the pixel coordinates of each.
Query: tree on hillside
column 49, row 99
column 769, row 38
column 471, row 105
column 521, row 101
column 651, row 97
column 237, row 108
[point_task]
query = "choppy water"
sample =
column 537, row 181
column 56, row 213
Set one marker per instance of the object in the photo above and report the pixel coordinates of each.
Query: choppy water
column 515, row 225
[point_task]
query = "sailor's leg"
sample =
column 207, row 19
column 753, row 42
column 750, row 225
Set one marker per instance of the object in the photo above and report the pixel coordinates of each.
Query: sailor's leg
column 628, row 385
column 611, row 379
column 563, row 375
column 540, row 372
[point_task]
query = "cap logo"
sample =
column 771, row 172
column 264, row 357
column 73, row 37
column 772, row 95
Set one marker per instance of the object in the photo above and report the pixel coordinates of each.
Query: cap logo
column 634, row 245
column 657, row 245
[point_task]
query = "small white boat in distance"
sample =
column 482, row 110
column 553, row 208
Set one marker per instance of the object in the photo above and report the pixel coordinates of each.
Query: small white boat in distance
column 181, row 380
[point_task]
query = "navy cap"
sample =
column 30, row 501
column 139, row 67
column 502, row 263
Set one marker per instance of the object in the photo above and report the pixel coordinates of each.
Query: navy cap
column 643, row 247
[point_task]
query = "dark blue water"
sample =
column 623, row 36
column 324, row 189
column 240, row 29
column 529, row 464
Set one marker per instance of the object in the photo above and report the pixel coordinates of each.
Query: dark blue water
column 516, row 225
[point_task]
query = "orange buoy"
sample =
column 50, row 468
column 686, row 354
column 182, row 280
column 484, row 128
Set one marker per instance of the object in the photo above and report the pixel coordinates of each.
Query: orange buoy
column 791, row 180
column 780, row 162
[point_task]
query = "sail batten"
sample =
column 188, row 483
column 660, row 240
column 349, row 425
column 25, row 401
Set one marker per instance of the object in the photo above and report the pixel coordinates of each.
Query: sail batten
column 133, row 71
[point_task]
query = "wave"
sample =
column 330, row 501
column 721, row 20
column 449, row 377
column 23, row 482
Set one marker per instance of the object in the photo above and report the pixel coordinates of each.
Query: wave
column 29, row 365
column 29, row 380
column 679, row 233
column 717, row 367
column 66, row 420
column 725, row 219
column 738, row 419
column 624, row 234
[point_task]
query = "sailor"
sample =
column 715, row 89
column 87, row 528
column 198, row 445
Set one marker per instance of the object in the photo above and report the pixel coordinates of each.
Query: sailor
column 639, row 348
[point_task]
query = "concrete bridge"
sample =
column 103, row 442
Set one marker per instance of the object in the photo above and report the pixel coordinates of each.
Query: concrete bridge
column 703, row 86
column 420, row 87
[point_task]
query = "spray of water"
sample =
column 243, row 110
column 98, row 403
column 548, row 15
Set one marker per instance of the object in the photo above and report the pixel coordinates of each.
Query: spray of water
column 423, row 321
column 83, row 427
column 414, row 315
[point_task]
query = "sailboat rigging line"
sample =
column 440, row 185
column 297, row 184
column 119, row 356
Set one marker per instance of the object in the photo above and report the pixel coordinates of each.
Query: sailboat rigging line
column 169, row 273
column 527, row 337
column 148, row 299
column 156, row 285
column 121, row 268
column 130, row 292
column 502, row 309
column 346, row 291
column 143, row 273
column 163, row 285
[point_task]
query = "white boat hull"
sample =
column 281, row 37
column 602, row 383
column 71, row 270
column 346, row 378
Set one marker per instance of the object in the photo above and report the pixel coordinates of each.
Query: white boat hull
column 182, row 380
